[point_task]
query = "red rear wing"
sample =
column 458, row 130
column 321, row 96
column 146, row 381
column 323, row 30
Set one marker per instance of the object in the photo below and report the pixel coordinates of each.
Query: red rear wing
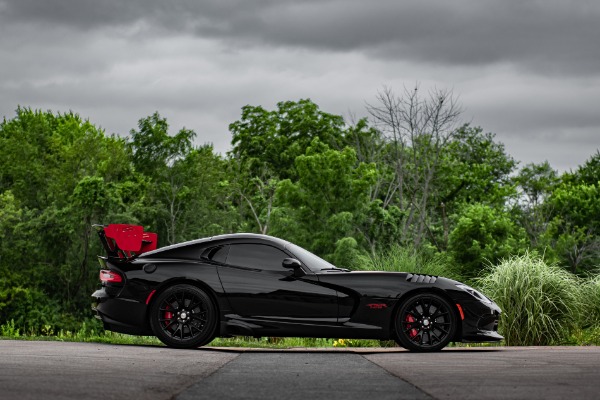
column 125, row 242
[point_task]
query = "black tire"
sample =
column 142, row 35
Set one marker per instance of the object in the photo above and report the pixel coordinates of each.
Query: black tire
column 425, row 322
column 183, row 316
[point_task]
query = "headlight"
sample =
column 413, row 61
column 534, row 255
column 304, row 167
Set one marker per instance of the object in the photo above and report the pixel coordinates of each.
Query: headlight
column 475, row 293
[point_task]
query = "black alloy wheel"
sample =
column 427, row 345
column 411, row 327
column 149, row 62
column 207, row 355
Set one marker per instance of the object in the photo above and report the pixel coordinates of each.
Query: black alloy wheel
column 183, row 316
column 425, row 322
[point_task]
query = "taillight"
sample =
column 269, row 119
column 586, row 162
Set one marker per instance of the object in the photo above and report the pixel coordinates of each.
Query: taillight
column 110, row 276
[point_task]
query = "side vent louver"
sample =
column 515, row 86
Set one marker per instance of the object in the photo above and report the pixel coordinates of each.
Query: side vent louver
column 418, row 278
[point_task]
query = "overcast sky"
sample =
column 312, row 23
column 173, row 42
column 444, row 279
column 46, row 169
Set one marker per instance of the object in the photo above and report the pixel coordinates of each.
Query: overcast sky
column 528, row 71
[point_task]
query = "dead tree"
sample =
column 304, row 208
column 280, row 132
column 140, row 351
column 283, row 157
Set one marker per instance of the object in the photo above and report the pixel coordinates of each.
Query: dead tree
column 418, row 128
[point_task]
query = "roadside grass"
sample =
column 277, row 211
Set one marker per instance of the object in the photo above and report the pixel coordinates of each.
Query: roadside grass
column 541, row 304
column 579, row 337
column 591, row 297
column 91, row 331
column 404, row 259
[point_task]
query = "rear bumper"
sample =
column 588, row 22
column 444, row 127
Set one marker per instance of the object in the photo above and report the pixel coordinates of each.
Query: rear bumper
column 121, row 315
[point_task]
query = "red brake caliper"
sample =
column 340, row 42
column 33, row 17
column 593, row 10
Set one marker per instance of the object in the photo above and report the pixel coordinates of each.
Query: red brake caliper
column 168, row 315
column 413, row 332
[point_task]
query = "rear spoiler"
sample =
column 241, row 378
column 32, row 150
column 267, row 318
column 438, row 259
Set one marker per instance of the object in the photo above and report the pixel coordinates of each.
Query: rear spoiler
column 124, row 242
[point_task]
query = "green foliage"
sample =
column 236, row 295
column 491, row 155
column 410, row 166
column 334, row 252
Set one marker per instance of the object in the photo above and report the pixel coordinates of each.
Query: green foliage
column 475, row 169
column 540, row 303
column 587, row 174
column 403, row 259
column 152, row 147
column 347, row 253
column 10, row 330
column 573, row 233
column 585, row 337
column 274, row 139
column 483, row 234
column 29, row 309
column 536, row 182
column 590, row 292
column 327, row 199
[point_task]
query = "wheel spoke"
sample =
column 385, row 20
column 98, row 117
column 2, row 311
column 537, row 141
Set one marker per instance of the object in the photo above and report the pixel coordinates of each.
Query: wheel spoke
column 426, row 308
column 442, row 329
column 195, row 304
column 172, row 303
column 421, row 337
column 439, row 313
column 436, row 336
column 169, row 324
column 198, row 318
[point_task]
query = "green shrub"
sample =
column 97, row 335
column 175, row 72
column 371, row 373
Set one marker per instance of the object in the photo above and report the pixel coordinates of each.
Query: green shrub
column 484, row 234
column 404, row 259
column 540, row 302
column 9, row 329
column 591, row 297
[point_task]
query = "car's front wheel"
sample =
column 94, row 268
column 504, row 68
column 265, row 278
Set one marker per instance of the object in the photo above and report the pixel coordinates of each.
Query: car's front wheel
column 425, row 322
column 183, row 316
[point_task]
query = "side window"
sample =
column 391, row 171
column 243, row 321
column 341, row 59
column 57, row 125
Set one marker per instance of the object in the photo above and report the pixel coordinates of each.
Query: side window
column 257, row 256
column 217, row 254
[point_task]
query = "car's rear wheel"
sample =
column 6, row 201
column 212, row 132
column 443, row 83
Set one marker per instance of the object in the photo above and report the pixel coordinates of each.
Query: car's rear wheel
column 183, row 316
column 425, row 322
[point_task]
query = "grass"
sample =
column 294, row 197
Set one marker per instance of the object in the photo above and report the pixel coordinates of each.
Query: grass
column 541, row 303
column 403, row 259
column 90, row 332
column 591, row 296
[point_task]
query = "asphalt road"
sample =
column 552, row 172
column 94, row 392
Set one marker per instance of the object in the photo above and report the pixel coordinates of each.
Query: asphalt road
column 56, row 370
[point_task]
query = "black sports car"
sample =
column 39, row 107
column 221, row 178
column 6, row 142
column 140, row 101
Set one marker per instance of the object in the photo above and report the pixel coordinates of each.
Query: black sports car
column 255, row 285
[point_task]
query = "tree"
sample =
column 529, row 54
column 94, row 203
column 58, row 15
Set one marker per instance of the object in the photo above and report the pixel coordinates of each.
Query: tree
column 327, row 202
column 257, row 192
column 418, row 130
column 152, row 147
column 483, row 234
column 158, row 156
column 573, row 232
column 474, row 169
column 273, row 139
column 61, row 189
column 536, row 182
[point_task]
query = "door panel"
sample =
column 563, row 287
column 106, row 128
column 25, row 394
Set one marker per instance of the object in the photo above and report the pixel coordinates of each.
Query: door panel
column 258, row 286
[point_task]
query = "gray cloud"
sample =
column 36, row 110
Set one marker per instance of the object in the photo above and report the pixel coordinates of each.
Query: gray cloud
column 552, row 36
column 525, row 70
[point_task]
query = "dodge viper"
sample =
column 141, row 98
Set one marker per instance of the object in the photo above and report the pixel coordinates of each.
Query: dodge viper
column 255, row 285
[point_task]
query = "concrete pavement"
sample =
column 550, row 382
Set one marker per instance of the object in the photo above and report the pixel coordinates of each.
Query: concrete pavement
column 58, row 370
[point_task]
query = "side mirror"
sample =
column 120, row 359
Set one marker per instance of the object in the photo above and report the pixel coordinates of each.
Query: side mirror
column 292, row 263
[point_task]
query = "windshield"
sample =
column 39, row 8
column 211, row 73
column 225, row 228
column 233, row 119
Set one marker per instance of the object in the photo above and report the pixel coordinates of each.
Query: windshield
column 313, row 262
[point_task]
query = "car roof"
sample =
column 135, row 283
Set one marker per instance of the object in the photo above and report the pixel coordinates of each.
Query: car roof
column 226, row 238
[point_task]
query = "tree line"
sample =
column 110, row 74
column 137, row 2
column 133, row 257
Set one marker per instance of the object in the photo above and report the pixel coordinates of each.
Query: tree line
column 411, row 175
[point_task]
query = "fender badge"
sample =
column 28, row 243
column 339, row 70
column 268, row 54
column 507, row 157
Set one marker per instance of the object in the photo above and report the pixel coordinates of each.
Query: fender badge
column 377, row 306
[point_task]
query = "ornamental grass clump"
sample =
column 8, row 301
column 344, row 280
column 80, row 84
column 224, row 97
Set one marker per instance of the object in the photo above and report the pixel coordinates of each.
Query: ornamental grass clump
column 591, row 294
column 540, row 302
column 403, row 259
